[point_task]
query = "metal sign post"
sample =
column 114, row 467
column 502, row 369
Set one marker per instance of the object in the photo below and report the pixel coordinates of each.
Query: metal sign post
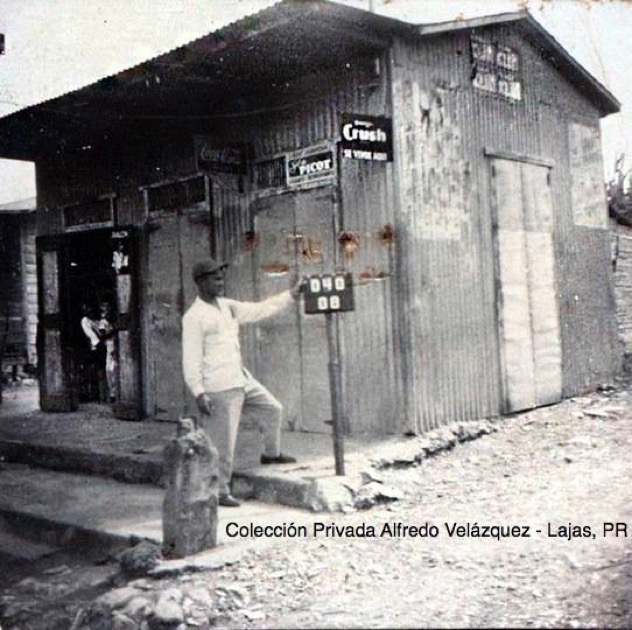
column 335, row 386
column 331, row 294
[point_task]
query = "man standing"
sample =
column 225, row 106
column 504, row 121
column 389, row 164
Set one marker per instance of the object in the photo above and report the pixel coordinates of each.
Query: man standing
column 214, row 372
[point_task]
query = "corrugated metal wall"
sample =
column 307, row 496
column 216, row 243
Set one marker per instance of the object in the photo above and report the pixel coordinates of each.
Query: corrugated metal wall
column 447, row 264
column 371, row 362
column 367, row 208
column 370, row 343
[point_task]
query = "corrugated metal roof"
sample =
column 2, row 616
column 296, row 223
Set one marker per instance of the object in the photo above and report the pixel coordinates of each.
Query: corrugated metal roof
column 223, row 73
column 236, row 70
column 20, row 206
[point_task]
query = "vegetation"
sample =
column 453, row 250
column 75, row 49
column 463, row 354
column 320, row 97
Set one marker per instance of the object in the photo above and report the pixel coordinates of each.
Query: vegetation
column 619, row 193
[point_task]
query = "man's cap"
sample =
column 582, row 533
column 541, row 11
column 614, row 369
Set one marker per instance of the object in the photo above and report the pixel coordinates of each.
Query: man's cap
column 204, row 267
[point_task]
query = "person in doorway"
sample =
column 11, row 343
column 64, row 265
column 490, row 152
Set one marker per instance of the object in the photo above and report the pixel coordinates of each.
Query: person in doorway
column 99, row 331
column 106, row 335
column 92, row 355
column 214, row 372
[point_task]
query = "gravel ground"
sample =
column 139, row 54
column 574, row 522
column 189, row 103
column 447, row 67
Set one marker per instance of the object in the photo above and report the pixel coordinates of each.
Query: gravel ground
column 557, row 474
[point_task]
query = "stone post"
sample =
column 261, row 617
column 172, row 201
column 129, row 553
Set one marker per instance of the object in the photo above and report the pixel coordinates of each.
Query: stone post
column 189, row 511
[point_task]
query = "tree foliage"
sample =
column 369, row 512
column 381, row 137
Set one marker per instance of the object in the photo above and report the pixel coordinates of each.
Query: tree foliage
column 619, row 193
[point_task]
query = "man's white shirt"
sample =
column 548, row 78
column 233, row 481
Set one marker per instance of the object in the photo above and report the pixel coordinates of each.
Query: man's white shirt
column 211, row 353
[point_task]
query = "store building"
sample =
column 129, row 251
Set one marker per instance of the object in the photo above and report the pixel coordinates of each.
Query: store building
column 453, row 169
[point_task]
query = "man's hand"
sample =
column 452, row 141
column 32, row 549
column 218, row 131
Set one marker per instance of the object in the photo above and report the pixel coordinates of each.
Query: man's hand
column 204, row 404
column 297, row 289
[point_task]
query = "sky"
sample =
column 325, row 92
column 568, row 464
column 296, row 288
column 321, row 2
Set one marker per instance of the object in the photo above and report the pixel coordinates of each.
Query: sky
column 53, row 46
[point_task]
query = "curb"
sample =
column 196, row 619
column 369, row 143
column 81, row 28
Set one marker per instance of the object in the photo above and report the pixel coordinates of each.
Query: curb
column 315, row 494
column 61, row 534
column 126, row 468
column 141, row 469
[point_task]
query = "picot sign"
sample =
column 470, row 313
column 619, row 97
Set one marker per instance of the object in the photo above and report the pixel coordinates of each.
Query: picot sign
column 329, row 293
column 366, row 137
column 315, row 164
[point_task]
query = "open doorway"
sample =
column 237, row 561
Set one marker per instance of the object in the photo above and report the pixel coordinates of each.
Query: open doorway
column 91, row 316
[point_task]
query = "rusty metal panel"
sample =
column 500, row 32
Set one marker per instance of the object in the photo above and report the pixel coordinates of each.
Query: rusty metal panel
column 279, row 357
column 371, row 360
column 314, row 251
column 367, row 202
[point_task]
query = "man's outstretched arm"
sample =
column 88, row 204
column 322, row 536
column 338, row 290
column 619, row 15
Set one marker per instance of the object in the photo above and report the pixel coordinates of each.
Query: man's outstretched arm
column 250, row 312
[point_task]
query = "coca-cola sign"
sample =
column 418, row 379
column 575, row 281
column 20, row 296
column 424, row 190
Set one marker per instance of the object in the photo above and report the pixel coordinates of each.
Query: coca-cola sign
column 213, row 157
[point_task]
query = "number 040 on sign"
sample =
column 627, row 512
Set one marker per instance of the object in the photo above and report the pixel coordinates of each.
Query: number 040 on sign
column 329, row 293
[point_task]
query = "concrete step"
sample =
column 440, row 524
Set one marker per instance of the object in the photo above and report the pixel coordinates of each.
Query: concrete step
column 144, row 466
column 285, row 485
column 57, row 509
column 60, row 508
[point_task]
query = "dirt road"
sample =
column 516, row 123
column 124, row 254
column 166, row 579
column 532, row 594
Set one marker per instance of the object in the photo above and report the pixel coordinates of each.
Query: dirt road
column 522, row 539
column 553, row 479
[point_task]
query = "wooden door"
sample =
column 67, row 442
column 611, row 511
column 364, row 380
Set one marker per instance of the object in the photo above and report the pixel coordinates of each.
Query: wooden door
column 528, row 310
column 127, row 343
column 174, row 243
column 279, row 359
column 56, row 388
column 315, row 255
column 295, row 239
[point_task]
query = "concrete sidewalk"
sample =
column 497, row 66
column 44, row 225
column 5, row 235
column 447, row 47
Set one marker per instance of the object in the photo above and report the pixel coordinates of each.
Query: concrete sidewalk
column 90, row 441
column 64, row 509
column 87, row 479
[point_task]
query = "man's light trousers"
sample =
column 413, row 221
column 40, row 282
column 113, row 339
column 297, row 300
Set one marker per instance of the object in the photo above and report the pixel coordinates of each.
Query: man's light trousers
column 223, row 423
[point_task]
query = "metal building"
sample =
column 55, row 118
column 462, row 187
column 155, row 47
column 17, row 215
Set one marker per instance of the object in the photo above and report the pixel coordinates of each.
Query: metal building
column 18, row 288
column 476, row 231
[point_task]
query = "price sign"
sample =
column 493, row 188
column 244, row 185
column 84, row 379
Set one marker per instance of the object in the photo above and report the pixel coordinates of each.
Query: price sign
column 329, row 293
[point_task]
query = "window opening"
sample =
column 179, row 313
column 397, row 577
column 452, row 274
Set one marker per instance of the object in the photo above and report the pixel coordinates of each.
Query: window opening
column 89, row 214
column 270, row 173
column 178, row 194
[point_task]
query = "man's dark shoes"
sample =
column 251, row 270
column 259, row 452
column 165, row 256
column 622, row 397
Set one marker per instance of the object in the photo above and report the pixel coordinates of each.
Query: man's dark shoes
column 279, row 459
column 228, row 500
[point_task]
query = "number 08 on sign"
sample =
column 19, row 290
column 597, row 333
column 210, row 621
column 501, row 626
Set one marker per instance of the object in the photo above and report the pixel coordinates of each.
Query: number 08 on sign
column 329, row 293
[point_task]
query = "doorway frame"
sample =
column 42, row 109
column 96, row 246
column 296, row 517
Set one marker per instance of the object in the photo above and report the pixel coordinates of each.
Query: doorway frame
column 60, row 393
